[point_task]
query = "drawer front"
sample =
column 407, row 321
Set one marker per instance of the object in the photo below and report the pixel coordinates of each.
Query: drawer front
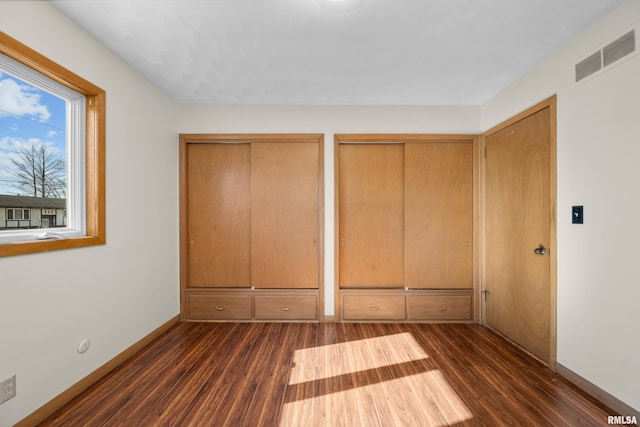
column 446, row 307
column 373, row 307
column 219, row 307
column 286, row 307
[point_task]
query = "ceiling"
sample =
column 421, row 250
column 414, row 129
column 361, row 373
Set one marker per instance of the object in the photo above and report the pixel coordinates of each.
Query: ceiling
column 324, row 52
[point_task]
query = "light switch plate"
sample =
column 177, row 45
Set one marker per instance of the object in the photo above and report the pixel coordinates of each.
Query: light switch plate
column 577, row 214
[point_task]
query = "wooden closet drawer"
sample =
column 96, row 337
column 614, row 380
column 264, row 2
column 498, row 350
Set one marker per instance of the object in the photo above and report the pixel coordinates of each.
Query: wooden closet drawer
column 219, row 307
column 373, row 307
column 440, row 307
column 268, row 307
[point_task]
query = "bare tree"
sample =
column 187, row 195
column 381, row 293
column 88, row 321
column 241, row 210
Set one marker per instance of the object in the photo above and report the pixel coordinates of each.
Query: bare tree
column 39, row 172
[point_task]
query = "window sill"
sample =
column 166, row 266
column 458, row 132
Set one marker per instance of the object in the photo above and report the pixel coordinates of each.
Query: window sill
column 22, row 248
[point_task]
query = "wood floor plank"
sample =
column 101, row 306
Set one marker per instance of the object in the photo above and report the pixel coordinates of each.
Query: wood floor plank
column 327, row 374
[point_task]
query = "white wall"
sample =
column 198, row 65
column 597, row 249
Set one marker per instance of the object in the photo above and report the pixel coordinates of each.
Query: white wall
column 113, row 294
column 598, row 167
column 329, row 121
column 118, row 293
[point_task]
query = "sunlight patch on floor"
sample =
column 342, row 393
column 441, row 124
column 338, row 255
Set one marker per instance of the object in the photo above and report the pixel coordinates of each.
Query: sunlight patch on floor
column 378, row 381
column 353, row 356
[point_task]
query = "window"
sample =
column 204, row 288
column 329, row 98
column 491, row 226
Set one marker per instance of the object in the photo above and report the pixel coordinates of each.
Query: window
column 52, row 152
column 34, row 139
column 18, row 214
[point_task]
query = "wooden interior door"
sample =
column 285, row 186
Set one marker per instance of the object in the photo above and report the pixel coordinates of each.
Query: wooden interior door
column 518, row 222
column 439, row 215
column 371, row 215
column 284, row 216
column 219, row 206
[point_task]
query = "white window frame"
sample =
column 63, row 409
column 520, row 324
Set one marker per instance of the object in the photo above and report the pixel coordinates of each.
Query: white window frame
column 76, row 143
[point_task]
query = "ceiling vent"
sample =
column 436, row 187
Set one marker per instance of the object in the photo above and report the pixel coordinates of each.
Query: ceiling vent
column 606, row 56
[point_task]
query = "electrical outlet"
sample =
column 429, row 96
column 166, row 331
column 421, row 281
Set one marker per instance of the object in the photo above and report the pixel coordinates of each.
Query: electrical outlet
column 7, row 389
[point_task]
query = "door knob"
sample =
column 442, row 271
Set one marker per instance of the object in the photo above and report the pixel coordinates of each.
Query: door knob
column 540, row 251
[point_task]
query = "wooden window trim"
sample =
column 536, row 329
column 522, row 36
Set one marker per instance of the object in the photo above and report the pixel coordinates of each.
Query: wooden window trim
column 95, row 150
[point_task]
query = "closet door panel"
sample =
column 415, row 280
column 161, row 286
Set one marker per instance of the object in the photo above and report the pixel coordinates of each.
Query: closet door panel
column 439, row 215
column 371, row 218
column 219, row 205
column 284, row 217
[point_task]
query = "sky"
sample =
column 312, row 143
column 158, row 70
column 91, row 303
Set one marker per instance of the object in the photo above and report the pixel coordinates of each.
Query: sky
column 28, row 115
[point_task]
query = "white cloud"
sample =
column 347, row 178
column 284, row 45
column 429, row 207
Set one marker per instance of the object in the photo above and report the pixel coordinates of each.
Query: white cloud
column 9, row 145
column 21, row 100
column 12, row 144
column 51, row 133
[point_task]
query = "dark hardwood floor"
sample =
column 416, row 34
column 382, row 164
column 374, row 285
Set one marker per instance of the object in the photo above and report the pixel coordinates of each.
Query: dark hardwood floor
column 298, row 374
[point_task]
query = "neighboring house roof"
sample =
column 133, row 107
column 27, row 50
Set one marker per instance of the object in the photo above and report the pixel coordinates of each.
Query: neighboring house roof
column 7, row 201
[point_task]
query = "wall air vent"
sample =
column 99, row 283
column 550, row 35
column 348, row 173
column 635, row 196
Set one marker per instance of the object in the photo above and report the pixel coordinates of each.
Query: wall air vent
column 606, row 56
column 619, row 48
column 588, row 66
